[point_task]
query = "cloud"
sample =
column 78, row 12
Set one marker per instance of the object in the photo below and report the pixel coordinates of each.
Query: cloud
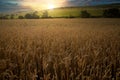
column 11, row 6
column 19, row 5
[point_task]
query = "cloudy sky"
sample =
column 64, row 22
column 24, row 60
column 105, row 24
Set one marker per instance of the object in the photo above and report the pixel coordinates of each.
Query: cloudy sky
column 24, row 5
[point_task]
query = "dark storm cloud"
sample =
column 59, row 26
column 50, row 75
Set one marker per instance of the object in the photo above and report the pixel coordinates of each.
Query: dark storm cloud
column 91, row 2
column 11, row 5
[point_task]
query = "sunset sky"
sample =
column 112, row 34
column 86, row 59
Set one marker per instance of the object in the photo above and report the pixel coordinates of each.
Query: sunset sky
column 24, row 5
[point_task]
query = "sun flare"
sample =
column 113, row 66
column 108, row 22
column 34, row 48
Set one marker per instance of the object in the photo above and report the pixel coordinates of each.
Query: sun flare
column 42, row 4
column 51, row 6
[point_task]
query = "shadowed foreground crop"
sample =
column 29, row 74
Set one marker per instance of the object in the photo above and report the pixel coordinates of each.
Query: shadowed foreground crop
column 60, row 49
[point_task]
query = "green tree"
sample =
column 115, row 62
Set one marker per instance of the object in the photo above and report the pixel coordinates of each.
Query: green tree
column 32, row 16
column 45, row 14
column 111, row 13
column 85, row 14
column 35, row 15
column 20, row 17
column 28, row 16
column 12, row 16
column 4, row 16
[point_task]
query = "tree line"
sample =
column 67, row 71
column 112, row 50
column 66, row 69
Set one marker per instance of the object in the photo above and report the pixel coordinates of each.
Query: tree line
column 107, row 13
column 33, row 15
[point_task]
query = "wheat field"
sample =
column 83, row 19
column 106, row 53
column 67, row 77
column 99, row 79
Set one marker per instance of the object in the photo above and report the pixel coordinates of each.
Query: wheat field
column 60, row 49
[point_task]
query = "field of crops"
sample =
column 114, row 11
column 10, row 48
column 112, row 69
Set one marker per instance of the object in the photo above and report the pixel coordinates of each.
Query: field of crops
column 60, row 49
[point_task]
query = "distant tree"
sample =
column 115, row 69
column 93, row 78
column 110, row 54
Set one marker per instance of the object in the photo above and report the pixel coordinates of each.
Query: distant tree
column 20, row 17
column 28, row 16
column 111, row 13
column 71, row 16
column 1, row 17
column 35, row 15
column 4, row 16
column 35, row 12
column 45, row 14
column 31, row 16
column 12, row 16
column 85, row 14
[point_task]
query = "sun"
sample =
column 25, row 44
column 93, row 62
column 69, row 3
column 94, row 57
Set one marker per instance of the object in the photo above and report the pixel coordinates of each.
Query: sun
column 51, row 6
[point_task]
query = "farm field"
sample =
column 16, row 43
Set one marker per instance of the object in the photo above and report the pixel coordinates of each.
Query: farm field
column 64, row 12
column 67, row 12
column 60, row 49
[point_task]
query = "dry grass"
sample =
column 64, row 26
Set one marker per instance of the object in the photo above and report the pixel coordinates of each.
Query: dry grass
column 60, row 49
